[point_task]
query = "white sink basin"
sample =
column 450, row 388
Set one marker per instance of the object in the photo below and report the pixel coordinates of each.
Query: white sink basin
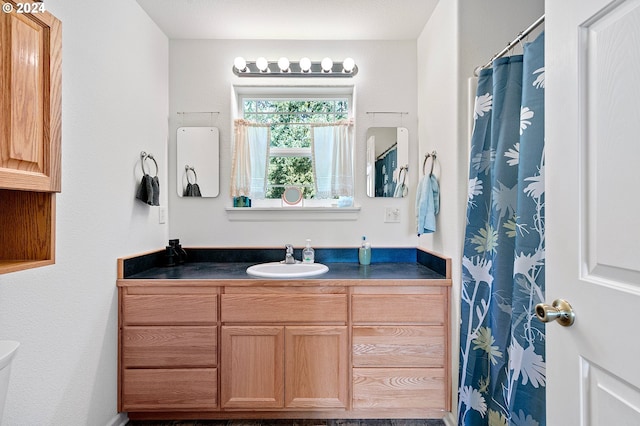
column 287, row 270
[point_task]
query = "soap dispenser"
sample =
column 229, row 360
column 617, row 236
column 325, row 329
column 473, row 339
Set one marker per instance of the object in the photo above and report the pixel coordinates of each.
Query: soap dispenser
column 308, row 254
column 364, row 252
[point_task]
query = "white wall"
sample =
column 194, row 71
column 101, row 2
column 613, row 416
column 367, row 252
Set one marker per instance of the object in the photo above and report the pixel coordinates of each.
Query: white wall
column 202, row 80
column 459, row 36
column 115, row 104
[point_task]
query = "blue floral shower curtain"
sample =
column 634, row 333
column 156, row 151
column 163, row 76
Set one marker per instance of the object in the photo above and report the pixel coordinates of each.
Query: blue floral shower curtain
column 502, row 352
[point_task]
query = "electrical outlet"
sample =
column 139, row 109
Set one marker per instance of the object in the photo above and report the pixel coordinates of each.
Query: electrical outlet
column 392, row 215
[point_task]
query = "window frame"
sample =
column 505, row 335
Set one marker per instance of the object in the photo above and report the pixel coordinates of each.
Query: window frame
column 293, row 93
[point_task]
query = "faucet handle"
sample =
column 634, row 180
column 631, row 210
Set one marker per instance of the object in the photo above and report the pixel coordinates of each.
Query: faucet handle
column 289, row 248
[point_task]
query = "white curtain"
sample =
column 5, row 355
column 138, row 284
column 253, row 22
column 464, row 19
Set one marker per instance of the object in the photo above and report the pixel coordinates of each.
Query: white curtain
column 332, row 149
column 250, row 159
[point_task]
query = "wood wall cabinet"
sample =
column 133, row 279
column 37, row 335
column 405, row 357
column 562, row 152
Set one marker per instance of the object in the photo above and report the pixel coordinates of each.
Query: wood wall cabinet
column 30, row 134
column 284, row 349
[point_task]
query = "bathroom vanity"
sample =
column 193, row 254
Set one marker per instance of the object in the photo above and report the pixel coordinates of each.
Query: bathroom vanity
column 206, row 340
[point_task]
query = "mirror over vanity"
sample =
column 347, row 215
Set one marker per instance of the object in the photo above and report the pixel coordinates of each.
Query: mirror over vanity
column 197, row 162
column 387, row 161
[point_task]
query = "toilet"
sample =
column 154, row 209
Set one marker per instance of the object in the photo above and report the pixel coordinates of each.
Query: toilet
column 8, row 349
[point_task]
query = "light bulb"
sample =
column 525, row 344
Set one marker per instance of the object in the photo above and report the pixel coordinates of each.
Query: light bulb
column 326, row 64
column 305, row 64
column 262, row 64
column 240, row 64
column 283, row 64
column 348, row 65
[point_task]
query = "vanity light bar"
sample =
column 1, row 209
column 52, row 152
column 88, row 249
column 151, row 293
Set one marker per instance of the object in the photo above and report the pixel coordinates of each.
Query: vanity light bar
column 303, row 68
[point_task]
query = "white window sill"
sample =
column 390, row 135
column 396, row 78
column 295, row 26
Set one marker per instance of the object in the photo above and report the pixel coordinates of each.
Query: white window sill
column 294, row 213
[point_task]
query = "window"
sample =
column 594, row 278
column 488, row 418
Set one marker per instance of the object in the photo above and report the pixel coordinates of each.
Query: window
column 290, row 161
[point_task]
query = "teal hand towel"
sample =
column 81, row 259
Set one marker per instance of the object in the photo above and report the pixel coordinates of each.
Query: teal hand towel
column 427, row 204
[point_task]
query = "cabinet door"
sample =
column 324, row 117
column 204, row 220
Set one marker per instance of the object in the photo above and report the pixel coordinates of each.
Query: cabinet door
column 316, row 367
column 30, row 100
column 252, row 360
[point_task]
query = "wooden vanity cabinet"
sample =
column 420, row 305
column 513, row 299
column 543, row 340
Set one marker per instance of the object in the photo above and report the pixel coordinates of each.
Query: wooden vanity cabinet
column 250, row 349
column 300, row 361
column 30, row 134
column 400, row 348
column 168, row 348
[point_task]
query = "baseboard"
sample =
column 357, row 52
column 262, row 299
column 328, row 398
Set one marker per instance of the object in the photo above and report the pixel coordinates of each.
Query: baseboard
column 121, row 419
column 450, row 420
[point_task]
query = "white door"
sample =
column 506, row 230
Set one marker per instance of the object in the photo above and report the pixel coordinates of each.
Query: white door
column 593, row 210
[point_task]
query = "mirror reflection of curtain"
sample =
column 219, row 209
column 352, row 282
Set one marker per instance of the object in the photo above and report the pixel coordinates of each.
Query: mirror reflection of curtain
column 332, row 155
column 250, row 158
column 385, row 166
column 371, row 171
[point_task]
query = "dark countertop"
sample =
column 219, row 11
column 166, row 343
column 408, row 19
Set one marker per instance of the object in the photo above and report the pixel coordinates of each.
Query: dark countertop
column 337, row 271
column 231, row 264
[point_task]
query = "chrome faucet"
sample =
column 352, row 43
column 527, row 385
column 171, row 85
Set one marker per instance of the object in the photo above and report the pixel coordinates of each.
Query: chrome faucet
column 288, row 258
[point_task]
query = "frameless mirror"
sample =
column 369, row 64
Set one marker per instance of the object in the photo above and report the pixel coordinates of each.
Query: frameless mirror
column 197, row 162
column 387, row 161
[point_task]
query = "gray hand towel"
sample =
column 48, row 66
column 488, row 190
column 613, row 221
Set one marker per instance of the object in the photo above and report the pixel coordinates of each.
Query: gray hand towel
column 155, row 188
column 145, row 190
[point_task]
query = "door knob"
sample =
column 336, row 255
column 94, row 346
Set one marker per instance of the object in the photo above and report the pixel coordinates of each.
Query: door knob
column 559, row 310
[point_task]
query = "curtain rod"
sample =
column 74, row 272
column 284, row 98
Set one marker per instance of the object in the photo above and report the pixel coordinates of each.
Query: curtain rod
column 515, row 41
column 386, row 151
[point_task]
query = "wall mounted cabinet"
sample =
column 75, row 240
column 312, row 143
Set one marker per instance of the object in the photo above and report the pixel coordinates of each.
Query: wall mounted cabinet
column 30, row 133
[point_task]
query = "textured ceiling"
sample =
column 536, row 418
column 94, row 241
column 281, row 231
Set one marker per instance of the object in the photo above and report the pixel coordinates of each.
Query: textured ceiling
column 290, row 19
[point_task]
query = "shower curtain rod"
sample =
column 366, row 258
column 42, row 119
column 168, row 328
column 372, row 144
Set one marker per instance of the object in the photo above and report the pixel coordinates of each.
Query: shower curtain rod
column 515, row 41
column 386, row 151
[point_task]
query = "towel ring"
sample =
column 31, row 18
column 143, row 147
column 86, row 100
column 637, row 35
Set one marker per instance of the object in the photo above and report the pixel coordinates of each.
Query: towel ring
column 143, row 157
column 433, row 156
column 404, row 169
column 187, row 169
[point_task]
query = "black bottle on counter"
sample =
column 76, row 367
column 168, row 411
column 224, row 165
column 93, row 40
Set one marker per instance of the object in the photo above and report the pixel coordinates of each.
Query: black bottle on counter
column 180, row 255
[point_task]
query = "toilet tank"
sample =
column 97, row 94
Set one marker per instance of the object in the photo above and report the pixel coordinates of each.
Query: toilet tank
column 8, row 349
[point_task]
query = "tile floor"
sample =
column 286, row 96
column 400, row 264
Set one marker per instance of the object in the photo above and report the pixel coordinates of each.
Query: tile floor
column 290, row 422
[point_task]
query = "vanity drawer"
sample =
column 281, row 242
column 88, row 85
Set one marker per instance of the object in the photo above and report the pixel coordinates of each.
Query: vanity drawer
column 398, row 308
column 169, row 389
column 402, row 388
column 184, row 346
column 170, row 309
column 280, row 308
column 398, row 346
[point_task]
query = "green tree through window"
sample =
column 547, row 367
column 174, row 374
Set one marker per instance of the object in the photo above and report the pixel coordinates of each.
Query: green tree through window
column 290, row 146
